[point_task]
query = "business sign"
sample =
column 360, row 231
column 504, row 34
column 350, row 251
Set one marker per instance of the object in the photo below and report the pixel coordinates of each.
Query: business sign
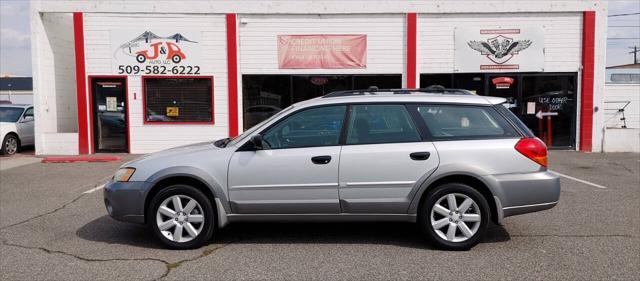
column 157, row 52
column 499, row 49
column 322, row 51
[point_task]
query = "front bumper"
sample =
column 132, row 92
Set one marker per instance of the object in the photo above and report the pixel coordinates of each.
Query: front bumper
column 125, row 200
column 524, row 193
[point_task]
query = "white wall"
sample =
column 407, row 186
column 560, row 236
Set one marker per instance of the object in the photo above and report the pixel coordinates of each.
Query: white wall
column 562, row 38
column 54, row 78
column 145, row 138
column 620, row 93
column 386, row 36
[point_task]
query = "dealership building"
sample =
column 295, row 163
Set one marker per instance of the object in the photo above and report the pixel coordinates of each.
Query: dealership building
column 142, row 76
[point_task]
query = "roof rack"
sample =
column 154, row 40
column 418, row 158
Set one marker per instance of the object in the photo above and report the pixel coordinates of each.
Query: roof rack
column 373, row 90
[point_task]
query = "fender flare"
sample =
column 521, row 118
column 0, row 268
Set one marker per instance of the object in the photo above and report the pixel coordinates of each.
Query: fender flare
column 445, row 171
column 195, row 173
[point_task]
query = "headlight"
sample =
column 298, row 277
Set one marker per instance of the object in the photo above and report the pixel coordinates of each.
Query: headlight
column 123, row 174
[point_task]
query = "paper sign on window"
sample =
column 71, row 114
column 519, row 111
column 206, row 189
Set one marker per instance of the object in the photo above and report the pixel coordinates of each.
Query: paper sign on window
column 173, row 111
column 112, row 104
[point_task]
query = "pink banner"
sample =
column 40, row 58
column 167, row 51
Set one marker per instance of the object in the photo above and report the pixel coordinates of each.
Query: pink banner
column 322, row 51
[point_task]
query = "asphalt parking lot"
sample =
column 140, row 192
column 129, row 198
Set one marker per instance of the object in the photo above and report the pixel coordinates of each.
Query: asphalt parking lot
column 52, row 227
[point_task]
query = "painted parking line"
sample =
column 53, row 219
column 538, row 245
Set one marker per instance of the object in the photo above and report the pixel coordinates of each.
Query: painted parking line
column 580, row 180
column 94, row 189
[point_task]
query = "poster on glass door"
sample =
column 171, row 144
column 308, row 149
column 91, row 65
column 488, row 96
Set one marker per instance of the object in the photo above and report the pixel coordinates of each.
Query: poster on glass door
column 517, row 49
column 156, row 52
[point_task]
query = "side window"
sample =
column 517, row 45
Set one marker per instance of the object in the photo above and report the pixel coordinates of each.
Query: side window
column 28, row 112
column 463, row 122
column 381, row 124
column 311, row 127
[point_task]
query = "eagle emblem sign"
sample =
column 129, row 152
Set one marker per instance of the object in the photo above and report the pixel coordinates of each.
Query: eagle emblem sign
column 499, row 49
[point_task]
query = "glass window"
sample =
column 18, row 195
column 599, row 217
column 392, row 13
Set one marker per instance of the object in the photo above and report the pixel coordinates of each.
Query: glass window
column 460, row 122
column 10, row 114
column 178, row 99
column 264, row 95
column 625, row 78
column 29, row 112
column 312, row 127
column 444, row 80
column 381, row 124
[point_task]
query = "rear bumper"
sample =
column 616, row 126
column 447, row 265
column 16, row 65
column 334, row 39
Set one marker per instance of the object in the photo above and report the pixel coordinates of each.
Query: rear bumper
column 524, row 193
column 125, row 200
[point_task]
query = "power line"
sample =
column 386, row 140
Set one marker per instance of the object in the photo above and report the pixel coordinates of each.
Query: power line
column 621, row 15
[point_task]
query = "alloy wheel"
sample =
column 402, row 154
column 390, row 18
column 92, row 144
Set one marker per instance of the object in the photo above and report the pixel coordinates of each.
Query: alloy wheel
column 11, row 146
column 455, row 217
column 180, row 218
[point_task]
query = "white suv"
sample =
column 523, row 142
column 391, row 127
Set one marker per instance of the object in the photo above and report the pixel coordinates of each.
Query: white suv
column 446, row 159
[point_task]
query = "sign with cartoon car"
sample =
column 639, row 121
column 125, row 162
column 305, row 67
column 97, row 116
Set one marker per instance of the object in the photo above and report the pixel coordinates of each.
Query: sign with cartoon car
column 516, row 49
column 160, row 52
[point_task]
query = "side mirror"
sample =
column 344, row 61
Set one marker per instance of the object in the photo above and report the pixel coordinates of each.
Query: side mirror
column 256, row 140
column 27, row 119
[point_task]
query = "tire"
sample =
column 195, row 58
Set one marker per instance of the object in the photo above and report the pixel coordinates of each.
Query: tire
column 176, row 59
column 141, row 58
column 10, row 145
column 202, row 210
column 436, row 223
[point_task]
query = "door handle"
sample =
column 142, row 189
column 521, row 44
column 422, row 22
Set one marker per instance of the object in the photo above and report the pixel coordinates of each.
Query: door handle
column 321, row 160
column 419, row 156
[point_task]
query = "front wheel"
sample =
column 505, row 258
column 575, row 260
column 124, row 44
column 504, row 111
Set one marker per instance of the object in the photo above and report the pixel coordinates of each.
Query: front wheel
column 182, row 217
column 10, row 145
column 454, row 216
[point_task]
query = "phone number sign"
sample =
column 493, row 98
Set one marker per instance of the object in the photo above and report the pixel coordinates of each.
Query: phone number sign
column 156, row 52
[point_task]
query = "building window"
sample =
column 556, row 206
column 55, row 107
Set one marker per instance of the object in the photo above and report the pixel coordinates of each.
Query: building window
column 630, row 78
column 265, row 95
column 175, row 100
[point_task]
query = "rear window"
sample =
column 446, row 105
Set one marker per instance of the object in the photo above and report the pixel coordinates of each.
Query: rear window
column 502, row 108
column 450, row 122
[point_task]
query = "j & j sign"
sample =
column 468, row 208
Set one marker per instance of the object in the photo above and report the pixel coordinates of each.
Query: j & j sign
column 137, row 52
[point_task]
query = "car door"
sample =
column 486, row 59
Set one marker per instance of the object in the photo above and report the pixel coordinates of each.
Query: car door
column 25, row 127
column 383, row 161
column 297, row 169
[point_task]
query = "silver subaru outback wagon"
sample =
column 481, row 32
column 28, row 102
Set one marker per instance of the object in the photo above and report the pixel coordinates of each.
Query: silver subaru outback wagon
column 445, row 159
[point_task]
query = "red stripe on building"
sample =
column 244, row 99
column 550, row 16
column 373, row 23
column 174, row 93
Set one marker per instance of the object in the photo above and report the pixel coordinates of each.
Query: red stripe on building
column 232, row 72
column 586, row 105
column 81, row 84
column 412, row 36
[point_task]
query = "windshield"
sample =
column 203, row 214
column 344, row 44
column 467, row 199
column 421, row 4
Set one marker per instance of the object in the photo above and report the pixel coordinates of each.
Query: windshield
column 10, row 114
column 256, row 127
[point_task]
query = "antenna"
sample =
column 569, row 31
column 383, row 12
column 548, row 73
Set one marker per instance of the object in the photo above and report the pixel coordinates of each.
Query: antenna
column 635, row 53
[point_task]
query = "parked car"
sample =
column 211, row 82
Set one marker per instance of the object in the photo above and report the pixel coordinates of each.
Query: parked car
column 447, row 160
column 16, row 127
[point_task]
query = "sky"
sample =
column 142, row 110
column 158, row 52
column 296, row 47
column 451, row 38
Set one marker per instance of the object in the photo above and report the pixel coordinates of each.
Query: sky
column 15, row 54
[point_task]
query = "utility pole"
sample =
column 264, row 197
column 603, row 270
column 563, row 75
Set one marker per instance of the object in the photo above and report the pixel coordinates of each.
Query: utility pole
column 635, row 53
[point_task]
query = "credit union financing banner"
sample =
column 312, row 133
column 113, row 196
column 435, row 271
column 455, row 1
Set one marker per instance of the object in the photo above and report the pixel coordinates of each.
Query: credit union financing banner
column 322, row 51
column 156, row 52
column 513, row 49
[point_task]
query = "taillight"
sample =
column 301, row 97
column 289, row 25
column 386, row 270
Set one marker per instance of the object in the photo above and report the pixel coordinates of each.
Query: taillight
column 534, row 149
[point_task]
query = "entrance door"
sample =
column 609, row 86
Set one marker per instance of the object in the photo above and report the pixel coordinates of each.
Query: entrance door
column 550, row 109
column 109, row 114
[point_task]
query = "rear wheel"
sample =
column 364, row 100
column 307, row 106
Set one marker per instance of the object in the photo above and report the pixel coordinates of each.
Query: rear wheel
column 454, row 216
column 10, row 145
column 182, row 217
